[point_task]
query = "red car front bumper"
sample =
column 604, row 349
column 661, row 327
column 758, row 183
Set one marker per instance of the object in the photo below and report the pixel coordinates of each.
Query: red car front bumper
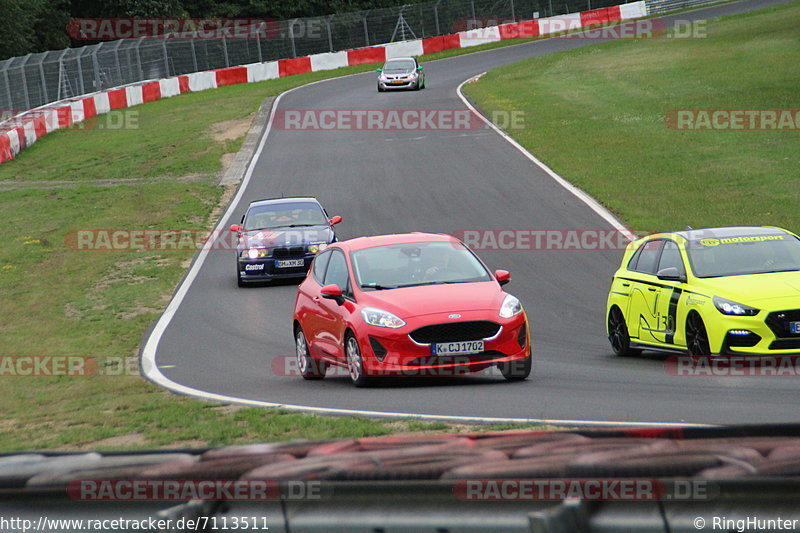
column 393, row 352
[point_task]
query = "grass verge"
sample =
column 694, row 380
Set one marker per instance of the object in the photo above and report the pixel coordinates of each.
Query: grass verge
column 596, row 115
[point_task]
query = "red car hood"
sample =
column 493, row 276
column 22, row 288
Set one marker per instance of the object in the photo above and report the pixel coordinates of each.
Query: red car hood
column 432, row 299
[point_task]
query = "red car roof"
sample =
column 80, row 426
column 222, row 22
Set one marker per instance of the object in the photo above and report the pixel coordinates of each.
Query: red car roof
column 361, row 243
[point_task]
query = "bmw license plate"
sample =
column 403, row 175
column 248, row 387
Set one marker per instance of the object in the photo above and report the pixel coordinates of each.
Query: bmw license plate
column 794, row 327
column 457, row 348
column 289, row 263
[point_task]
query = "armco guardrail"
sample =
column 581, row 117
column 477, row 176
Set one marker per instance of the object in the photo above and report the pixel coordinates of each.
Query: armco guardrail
column 656, row 7
column 25, row 129
column 38, row 79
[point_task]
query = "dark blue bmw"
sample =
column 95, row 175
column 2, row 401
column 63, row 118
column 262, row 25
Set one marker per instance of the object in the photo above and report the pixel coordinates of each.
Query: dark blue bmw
column 279, row 237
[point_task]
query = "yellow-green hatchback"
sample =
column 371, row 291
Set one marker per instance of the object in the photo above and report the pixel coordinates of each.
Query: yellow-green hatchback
column 732, row 290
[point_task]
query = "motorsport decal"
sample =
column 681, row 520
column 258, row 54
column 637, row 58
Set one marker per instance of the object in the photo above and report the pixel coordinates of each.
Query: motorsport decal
column 254, row 267
column 739, row 240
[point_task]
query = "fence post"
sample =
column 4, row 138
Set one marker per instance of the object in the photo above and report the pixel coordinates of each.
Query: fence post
column 139, row 58
column 262, row 24
column 8, row 90
column 225, row 50
column 44, row 81
column 330, row 35
column 513, row 14
column 291, row 36
column 366, row 28
column 472, row 3
column 96, row 68
column 166, row 58
column 80, row 70
column 25, row 82
column 436, row 16
column 119, row 66
column 62, row 70
column 194, row 54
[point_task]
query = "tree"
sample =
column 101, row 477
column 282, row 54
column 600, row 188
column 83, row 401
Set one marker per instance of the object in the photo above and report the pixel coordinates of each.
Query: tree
column 28, row 26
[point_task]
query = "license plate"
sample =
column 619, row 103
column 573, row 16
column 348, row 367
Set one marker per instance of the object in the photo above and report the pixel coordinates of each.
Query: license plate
column 794, row 327
column 397, row 82
column 289, row 263
column 457, row 348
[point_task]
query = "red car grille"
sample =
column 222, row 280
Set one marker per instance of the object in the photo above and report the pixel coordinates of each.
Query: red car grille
column 473, row 330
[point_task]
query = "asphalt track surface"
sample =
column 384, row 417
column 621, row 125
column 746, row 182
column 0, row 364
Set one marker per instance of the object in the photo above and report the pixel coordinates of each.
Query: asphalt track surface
column 220, row 341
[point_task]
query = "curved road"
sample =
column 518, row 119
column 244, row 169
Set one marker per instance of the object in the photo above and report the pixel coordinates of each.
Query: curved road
column 222, row 340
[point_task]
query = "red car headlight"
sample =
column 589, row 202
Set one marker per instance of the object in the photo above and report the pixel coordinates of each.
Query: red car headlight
column 511, row 307
column 381, row 318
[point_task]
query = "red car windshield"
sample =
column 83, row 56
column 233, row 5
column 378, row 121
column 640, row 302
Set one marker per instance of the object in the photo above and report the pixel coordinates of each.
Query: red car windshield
column 420, row 263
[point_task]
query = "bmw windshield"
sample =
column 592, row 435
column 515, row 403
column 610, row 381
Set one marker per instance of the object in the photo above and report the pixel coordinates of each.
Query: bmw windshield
column 745, row 254
column 421, row 263
column 284, row 215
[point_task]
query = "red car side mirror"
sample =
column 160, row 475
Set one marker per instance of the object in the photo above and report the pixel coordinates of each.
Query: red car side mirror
column 335, row 220
column 332, row 292
column 236, row 228
column 502, row 276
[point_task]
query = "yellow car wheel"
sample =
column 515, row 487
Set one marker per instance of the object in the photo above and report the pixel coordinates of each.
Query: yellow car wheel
column 696, row 335
column 618, row 334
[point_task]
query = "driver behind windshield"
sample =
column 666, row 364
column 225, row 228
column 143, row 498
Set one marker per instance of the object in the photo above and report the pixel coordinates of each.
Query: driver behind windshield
column 272, row 217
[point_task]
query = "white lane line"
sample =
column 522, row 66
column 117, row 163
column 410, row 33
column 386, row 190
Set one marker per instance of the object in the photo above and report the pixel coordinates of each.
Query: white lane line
column 593, row 204
column 152, row 372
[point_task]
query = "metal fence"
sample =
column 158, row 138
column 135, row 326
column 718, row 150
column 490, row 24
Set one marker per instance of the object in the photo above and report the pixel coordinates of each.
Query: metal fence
column 38, row 79
column 657, row 7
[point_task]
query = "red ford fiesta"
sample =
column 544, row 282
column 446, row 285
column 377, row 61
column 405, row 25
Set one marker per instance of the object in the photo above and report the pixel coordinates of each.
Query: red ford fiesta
column 407, row 305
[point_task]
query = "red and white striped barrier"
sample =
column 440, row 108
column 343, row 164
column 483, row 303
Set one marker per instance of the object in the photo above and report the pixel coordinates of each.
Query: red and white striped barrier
column 25, row 129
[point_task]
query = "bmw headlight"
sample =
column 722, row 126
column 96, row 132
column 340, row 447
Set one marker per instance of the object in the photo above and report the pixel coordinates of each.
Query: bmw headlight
column 511, row 307
column 381, row 318
column 729, row 307
column 255, row 253
column 317, row 247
